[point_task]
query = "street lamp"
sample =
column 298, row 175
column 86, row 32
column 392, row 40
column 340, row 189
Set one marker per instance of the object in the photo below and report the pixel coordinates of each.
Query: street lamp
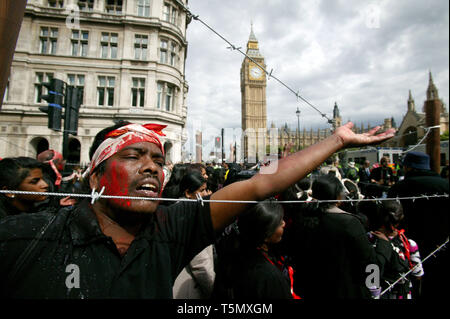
column 298, row 126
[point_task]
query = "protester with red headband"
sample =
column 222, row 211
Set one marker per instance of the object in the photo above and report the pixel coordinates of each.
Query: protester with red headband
column 54, row 164
column 130, row 247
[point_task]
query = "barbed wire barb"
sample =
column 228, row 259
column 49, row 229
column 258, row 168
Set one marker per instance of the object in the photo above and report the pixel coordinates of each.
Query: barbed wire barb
column 433, row 253
column 96, row 195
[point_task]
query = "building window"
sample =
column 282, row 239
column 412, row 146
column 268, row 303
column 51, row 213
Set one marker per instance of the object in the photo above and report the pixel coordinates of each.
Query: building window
column 48, row 39
column 113, row 6
column 173, row 54
column 168, row 52
column 169, row 98
column 105, row 90
column 39, row 89
column 55, row 3
column 86, row 5
column 79, row 42
column 77, row 80
column 159, row 94
column 170, row 13
column 165, row 96
column 109, row 45
column 143, row 8
column 138, row 92
column 163, row 51
column 140, row 47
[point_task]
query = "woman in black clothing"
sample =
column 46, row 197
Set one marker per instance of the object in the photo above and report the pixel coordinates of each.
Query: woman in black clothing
column 259, row 272
column 21, row 174
column 333, row 251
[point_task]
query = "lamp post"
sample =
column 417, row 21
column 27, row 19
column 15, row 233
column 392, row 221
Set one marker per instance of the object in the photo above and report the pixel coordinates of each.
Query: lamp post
column 298, row 126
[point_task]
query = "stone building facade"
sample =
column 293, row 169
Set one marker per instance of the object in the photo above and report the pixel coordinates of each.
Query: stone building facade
column 299, row 140
column 128, row 56
column 412, row 127
column 253, row 101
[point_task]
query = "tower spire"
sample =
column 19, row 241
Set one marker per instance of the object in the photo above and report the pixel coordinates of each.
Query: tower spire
column 252, row 36
column 411, row 104
column 432, row 92
column 252, row 44
column 335, row 110
column 336, row 117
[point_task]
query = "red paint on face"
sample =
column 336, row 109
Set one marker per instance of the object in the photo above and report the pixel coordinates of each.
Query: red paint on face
column 116, row 183
column 126, row 171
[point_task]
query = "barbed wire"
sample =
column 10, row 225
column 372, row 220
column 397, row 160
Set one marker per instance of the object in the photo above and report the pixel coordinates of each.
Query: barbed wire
column 97, row 195
column 413, row 268
column 238, row 49
column 428, row 130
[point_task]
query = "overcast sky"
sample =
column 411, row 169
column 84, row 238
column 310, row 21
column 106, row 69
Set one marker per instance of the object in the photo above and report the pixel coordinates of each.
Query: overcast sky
column 364, row 55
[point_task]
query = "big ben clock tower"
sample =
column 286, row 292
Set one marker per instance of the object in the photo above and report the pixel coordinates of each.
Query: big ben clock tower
column 253, row 99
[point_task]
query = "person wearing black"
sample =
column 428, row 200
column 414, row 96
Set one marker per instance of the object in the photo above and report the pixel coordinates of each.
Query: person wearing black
column 259, row 272
column 123, row 247
column 21, row 174
column 385, row 216
column 333, row 250
column 383, row 175
column 364, row 176
column 426, row 220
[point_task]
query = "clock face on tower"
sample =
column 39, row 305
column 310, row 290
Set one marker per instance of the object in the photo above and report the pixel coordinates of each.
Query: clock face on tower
column 255, row 72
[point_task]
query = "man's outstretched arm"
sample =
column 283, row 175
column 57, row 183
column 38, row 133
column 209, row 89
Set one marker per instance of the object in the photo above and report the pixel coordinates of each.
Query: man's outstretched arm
column 277, row 177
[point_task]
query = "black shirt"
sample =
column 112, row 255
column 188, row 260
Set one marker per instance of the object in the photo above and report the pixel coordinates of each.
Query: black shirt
column 331, row 258
column 258, row 278
column 426, row 220
column 383, row 173
column 148, row 269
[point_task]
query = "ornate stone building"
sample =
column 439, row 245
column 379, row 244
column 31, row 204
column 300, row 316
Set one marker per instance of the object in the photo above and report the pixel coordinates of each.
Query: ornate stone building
column 305, row 138
column 128, row 56
column 253, row 99
column 411, row 130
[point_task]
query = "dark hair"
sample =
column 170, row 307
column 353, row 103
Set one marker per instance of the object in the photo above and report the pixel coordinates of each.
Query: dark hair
column 190, row 182
column 259, row 223
column 13, row 170
column 235, row 175
column 172, row 188
column 387, row 213
column 216, row 179
column 196, row 167
column 327, row 187
column 304, row 184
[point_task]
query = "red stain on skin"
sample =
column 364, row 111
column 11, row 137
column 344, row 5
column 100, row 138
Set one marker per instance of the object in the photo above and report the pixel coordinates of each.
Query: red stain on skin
column 115, row 182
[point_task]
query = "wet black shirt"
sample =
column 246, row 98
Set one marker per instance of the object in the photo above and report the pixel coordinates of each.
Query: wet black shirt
column 74, row 244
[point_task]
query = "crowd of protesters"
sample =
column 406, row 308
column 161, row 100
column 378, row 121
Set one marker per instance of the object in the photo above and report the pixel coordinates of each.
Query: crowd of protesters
column 318, row 247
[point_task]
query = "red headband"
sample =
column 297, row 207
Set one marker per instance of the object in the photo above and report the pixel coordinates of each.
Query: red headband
column 125, row 136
